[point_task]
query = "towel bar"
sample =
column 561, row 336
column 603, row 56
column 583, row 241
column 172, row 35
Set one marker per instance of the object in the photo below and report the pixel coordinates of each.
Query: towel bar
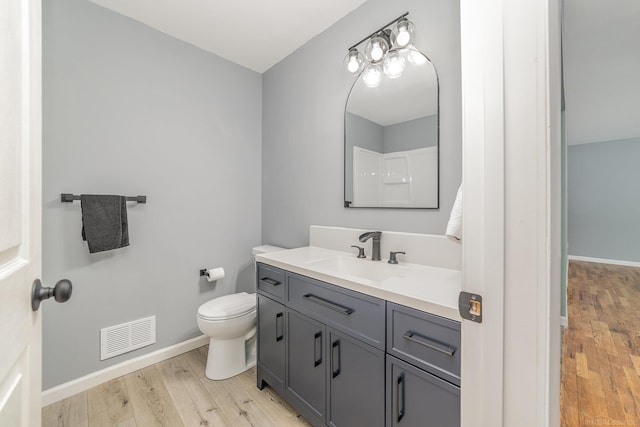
column 68, row 198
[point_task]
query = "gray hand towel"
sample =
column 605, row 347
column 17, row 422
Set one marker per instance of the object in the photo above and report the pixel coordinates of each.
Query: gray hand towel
column 104, row 222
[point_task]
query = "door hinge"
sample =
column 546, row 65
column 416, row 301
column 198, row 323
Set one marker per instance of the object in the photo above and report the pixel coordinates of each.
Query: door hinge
column 470, row 306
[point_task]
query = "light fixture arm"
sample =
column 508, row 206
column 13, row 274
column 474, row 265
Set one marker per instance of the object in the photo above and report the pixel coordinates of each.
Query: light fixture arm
column 379, row 30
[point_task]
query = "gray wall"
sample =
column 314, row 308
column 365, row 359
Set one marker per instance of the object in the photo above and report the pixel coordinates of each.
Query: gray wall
column 128, row 110
column 364, row 133
column 304, row 98
column 604, row 200
column 411, row 135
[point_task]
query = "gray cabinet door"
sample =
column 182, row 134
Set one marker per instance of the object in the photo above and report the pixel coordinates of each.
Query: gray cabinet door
column 356, row 383
column 416, row 398
column 306, row 378
column 271, row 343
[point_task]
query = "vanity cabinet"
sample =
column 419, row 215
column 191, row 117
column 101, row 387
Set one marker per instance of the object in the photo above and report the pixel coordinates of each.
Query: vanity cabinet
column 343, row 358
column 330, row 362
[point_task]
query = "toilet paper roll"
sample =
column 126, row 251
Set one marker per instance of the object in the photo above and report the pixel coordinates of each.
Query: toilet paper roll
column 214, row 274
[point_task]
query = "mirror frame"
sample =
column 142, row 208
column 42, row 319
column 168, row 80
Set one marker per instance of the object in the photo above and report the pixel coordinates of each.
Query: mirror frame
column 347, row 204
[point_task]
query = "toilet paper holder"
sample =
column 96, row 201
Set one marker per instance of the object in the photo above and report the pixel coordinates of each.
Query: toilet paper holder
column 212, row 274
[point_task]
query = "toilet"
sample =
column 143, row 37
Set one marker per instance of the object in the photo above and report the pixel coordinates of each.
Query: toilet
column 230, row 323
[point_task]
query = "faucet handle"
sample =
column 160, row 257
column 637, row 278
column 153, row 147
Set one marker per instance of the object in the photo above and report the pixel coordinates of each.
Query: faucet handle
column 360, row 251
column 392, row 257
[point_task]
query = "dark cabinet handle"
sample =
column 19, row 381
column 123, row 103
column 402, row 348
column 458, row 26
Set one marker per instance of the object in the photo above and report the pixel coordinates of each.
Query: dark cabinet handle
column 317, row 349
column 279, row 326
column 400, row 397
column 328, row 304
column 335, row 360
column 429, row 343
column 269, row 281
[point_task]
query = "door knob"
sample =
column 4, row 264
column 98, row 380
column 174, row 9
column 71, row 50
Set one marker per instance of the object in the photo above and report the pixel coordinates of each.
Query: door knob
column 61, row 292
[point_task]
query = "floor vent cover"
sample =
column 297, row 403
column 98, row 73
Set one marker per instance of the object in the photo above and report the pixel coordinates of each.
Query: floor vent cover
column 127, row 337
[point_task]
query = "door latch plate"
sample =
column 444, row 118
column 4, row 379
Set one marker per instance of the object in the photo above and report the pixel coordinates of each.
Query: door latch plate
column 470, row 306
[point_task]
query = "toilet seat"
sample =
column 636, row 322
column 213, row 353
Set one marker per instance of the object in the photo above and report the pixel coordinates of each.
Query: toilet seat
column 228, row 307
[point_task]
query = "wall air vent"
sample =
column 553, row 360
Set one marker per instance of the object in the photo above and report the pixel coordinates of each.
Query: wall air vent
column 126, row 337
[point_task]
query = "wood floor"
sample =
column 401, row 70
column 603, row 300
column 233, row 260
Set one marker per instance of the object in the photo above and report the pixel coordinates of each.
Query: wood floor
column 601, row 347
column 174, row 393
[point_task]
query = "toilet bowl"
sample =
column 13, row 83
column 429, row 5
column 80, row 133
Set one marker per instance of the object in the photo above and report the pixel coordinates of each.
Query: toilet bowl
column 230, row 323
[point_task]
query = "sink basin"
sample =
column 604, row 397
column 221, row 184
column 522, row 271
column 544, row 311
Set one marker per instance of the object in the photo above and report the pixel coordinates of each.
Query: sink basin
column 376, row 271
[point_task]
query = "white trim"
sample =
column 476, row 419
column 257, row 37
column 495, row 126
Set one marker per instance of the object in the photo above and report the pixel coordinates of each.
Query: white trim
column 483, row 252
column 510, row 80
column 564, row 321
column 93, row 379
column 604, row 261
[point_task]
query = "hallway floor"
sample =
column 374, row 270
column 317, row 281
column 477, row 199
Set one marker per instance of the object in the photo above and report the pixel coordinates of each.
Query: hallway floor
column 601, row 347
column 174, row 393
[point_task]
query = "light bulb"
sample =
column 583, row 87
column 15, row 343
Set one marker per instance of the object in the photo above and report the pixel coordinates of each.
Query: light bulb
column 376, row 47
column 402, row 33
column 403, row 38
column 354, row 61
column 417, row 58
column 376, row 52
column 372, row 76
column 393, row 64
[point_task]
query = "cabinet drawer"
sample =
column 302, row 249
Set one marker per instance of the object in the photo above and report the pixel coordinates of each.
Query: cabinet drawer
column 270, row 280
column 425, row 340
column 353, row 313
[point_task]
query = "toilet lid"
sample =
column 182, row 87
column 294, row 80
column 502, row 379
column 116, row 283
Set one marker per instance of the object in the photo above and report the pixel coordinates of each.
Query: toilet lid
column 228, row 306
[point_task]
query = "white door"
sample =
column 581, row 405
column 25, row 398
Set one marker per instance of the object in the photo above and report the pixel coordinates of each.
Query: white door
column 20, row 210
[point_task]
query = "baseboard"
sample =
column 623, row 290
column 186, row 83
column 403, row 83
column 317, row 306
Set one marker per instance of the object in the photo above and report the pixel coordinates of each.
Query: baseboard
column 78, row 385
column 604, row 261
column 564, row 321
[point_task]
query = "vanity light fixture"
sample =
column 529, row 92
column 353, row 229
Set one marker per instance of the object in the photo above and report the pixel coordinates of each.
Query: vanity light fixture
column 384, row 47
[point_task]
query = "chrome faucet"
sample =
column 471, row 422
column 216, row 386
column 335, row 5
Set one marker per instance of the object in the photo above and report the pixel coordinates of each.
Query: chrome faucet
column 375, row 235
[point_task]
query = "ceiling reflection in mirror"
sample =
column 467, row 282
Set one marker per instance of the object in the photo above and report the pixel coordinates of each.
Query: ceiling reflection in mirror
column 391, row 134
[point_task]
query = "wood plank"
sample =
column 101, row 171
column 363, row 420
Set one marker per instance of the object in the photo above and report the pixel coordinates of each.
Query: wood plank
column 109, row 405
column 69, row 412
column 172, row 393
column 271, row 404
column 151, row 402
column 582, row 368
column 192, row 400
column 237, row 407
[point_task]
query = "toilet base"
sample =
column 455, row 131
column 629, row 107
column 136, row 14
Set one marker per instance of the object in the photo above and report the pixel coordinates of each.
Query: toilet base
column 228, row 358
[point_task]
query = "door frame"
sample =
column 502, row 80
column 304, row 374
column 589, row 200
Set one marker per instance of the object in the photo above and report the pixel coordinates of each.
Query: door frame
column 510, row 61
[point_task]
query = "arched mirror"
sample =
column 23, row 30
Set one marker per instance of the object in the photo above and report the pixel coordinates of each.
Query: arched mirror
column 391, row 135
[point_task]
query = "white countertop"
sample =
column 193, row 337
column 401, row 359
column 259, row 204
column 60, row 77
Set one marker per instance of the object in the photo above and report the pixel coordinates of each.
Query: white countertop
column 431, row 289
